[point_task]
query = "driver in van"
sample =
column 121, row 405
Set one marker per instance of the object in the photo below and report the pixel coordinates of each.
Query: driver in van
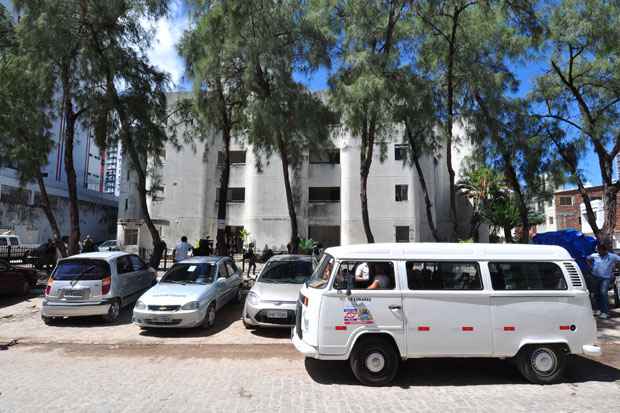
column 381, row 279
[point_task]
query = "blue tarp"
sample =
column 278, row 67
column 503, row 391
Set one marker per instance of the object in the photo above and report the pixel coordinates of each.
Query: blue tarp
column 579, row 246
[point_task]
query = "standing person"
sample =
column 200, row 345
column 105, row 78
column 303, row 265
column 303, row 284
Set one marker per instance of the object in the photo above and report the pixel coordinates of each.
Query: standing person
column 251, row 260
column 182, row 249
column 602, row 268
column 88, row 245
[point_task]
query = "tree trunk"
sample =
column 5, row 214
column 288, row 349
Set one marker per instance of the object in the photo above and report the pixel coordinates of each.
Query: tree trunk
column 69, row 136
column 610, row 195
column 415, row 157
column 137, row 164
column 450, row 123
column 47, row 209
column 366, row 151
column 513, row 180
column 289, row 195
column 508, row 235
column 221, row 245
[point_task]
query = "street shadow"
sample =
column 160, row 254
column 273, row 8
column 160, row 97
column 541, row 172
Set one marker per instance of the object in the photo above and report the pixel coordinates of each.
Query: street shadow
column 459, row 372
column 9, row 300
column 272, row 332
column 224, row 318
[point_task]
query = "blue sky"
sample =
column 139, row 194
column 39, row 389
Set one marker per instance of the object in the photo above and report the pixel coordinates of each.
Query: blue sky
column 169, row 31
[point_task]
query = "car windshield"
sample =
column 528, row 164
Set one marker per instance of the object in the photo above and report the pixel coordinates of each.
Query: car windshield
column 287, row 272
column 323, row 271
column 202, row 273
column 87, row 270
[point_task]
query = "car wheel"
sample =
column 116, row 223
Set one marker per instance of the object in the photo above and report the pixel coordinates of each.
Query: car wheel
column 209, row 320
column 48, row 320
column 113, row 312
column 24, row 289
column 374, row 361
column 542, row 364
column 616, row 296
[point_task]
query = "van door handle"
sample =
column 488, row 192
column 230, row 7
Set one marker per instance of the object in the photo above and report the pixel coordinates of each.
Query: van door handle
column 395, row 307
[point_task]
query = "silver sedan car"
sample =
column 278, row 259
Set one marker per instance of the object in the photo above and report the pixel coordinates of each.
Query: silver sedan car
column 272, row 300
column 189, row 294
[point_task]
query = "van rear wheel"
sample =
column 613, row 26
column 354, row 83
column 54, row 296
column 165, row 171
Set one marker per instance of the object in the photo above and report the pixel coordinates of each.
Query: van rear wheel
column 542, row 364
column 374, row 361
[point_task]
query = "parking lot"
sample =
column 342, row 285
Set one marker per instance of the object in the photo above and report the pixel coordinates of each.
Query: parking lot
column 228, row 368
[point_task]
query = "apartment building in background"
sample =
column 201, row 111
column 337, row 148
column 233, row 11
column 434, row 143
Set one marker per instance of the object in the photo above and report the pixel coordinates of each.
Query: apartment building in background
column 326, row 192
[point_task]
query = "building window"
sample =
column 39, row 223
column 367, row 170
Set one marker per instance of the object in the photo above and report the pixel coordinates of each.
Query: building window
column 330, row 156
column 127, row 175
column 324, row 194
column 402, row 234
column 131, row 236
column 400, row 152
column 126, row 203
column 325, row 235
column 401, row 192
column 550, row 220
column 236, row 157
column 234, row 195
column 566, row 200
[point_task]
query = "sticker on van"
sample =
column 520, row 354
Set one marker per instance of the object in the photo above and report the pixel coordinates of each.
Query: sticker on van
column 357, row 315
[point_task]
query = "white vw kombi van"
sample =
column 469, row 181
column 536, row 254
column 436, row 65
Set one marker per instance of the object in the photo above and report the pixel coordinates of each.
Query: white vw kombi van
column 381, row 303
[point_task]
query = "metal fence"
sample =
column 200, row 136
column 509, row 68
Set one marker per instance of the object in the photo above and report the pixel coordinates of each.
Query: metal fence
column 27, row 258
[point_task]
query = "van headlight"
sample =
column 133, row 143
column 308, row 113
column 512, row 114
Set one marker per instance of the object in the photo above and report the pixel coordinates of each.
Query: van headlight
column 253, row 298
column 192, row 305
column 140, row 305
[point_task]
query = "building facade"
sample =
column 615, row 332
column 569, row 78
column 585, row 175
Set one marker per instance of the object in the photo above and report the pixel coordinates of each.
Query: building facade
column 570, row 211
column 326, row 191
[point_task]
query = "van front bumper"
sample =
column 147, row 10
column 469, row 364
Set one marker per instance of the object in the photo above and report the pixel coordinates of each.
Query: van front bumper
column 69, row 309
column 303, row 347
column 592, row 350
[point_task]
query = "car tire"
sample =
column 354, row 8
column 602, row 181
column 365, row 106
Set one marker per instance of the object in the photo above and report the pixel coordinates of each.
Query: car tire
column 209, row 320
column 113, row 312
column 374, row 361
column 542, row 364
column 616, row 296
column 24, row 289
column 48, row 321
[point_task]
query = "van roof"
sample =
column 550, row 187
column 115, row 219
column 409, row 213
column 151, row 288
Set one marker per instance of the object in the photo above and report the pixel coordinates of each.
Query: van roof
column 450, row 251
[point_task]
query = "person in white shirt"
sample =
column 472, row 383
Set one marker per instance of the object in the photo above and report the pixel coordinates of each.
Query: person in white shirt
column 182, row 249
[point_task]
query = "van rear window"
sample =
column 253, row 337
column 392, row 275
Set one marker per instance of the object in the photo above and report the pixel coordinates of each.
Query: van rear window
column 526, row 276
column 81, row 269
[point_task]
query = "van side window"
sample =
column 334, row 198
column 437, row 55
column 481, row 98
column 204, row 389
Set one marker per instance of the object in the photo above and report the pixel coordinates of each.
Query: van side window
column 428, row 275
column 526, row 276
column 372, row 275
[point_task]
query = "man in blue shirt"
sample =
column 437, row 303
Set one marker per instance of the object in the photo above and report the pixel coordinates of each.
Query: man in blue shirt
column 602, row 268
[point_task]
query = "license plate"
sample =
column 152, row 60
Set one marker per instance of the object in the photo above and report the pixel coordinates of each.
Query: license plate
column 74, row 293
column 277, row 314
column 162, row 319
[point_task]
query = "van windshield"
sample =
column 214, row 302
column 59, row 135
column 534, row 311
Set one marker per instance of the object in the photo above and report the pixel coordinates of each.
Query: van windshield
column 323, row 271
column 87, row 270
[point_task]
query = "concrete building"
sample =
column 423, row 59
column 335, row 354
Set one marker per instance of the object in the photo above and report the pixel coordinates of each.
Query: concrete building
column 326, row 192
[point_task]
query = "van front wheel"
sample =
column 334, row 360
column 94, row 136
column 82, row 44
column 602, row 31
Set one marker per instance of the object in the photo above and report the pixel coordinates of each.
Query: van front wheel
column 542, row 364
column 374, row 361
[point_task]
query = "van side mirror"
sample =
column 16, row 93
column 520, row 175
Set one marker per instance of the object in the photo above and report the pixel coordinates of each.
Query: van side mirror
column 348, row 278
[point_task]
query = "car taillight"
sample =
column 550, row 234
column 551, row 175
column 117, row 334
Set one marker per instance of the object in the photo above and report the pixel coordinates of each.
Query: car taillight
column 48, row 288
column 105, row 285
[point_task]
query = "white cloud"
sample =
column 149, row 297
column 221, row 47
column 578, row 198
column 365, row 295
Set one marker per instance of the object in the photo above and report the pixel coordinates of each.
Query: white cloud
column 163, row 53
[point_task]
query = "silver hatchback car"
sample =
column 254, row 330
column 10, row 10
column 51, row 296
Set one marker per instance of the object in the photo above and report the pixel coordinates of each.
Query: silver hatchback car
column 189, row 294
column 96, row 283
column 272, row 301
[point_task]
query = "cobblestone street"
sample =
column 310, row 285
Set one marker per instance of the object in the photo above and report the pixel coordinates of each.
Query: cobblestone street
column 87, row 365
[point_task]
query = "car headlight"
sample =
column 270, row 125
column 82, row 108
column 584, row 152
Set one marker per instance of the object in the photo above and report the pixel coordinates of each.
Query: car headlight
column 253, row 298
column 192, row 305
column 140, row 306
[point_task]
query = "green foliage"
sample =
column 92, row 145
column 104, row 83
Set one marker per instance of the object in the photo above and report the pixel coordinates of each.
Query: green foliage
column 306, row 245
